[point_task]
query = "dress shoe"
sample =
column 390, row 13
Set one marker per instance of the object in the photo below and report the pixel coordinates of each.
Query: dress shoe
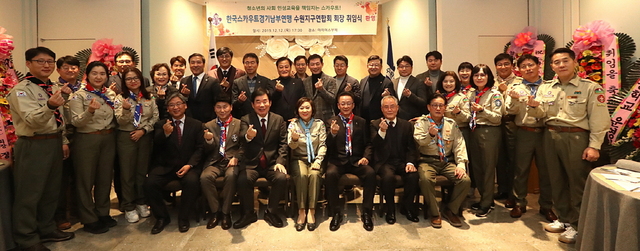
column 273, row 219
column 312, row 226
column 391, row 217
column 159, row 226
column 501, row 196
column 548, row 214
column 245, row 220
column 96, row 227
column 436, row 221
column 183, row 225
column 226, row 221
column 367, row 222
column 453, row 219
column 510, row 203
column 411, row 216
column 108, row 221
column 213, row 221
column 56, row 236
column 64, row 225
column 37, row 247
column 517, row 211
column 336, row 221
column 483, row 212
column 300, row 226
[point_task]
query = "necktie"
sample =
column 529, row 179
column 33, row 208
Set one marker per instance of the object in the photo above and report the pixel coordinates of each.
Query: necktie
column 391, row 124
column 195, row 86
column 443, row 158
column 178, row 131
column 263, row 158
column 224, row 73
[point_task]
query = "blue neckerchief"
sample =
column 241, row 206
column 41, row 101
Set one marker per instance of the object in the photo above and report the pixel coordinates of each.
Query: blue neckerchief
column 307, row 132
column 137, row 114
column 533, row 86
column 99, row 93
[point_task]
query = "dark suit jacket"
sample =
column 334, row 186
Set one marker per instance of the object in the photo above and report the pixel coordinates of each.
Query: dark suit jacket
column 169, row 157
column 284, row 103
column 373, row 111
column 421, row 77
column 232, row 74
column 201, row 107
column 360, row 139
column 117, row 79
column 382, row 148
column 414, row 105
column 160, row 102
column 323, row 99
column 233, row 145
column 355, row 89
column 273, row 143
column 239, row 85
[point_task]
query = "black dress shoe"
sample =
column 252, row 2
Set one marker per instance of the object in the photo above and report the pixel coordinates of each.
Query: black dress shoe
column 367, row 222
column 312, row 226
column 245, row 220
column 213, row 222
column 37, row 247
column 226, row 221
column 95, row 227
column 56, row 236
column 273, row 219
column 300, row 226
column 412, row 216
column 159, row 226
column 336, row 221
column 391, row 217
column 183, row 225
column 108, row 221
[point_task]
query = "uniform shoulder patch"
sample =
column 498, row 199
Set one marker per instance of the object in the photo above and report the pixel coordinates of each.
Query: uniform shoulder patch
column 498, row 102
column 599, row 90
column 21, row 94
column 496, row 96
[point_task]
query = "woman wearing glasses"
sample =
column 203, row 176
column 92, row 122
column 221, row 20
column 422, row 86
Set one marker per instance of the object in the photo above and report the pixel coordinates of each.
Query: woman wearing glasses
column 94, row 148
column 486, row 105
column 161, row 89
column 136, row 112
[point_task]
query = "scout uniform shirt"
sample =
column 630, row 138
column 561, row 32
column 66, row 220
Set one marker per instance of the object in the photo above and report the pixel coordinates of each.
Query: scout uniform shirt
column 519, row 106
column 451, row 135
column 65, row 111
column 508, row 81
column 460, row 100
column 318, row 133
column 492, row 103
column 101, row 119
column 580, row 103
column 124, row 117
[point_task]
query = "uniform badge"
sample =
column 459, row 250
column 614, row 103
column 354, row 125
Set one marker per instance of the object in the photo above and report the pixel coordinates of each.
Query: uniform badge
column 522, row 93
column 89, row 97
column 234, row 138
column 599, row 91
column 498, row 102
column 601, row 98
column 21, row 94
column 577, row 92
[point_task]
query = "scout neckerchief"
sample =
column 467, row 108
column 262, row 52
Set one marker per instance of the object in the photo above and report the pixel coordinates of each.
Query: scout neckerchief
column 507, row 79
column 307, row 132
column 223, row 134
column 100, row 93
column 348, row 124
column 533, row 86
column 137, row 114
column 450, row 95
column 472, row 122
column 443, row 158
column 74, row 88
column 466, row 89
column 47, row 88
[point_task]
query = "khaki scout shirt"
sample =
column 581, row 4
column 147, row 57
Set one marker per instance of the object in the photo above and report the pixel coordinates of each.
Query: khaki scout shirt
column 511, row 79
column 493, row 105
column 519, row 106
column 65, row 111
column 318, row 136
column 124, row 117
column 580, row 103
column 30, row 112
column 451, row 135
column 462, row 102
column 83, row 120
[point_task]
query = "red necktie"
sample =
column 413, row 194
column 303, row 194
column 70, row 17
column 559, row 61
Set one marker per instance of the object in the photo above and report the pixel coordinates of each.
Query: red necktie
column 263, row 158
column 178, row 131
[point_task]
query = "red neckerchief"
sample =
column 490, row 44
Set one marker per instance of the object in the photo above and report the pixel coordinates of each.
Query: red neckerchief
column 451, row 94
column 223, row 134
column 479, row 95
column 47, row 88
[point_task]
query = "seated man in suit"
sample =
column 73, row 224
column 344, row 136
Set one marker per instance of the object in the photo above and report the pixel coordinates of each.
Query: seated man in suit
column 443, row 151
column 394, row 153
column 244, row 86
column 177, row 155
column 411, row 93
column 222, row 136
column 265, row 134
column 201, row 90
column 321, row 88
column 345, row 82
column 349, row 152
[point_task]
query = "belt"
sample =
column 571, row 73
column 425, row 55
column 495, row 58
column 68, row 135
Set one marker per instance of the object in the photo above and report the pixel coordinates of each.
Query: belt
column 105, row 131
column 43, row 136
column 531, row 129
column 477, row 126
column 509, row 117
column 566, row 129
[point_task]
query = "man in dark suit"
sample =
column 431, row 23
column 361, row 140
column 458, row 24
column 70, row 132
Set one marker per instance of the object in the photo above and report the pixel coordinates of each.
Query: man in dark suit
column 265, row 147
column 430, row 77
column 374, row 87
column 395, row 153
column 201, row 89
column 226, row 73
column 345, row 82
column 321, row 88
column 286, row 90
column 411, row 93
column 178, row 154
column 244, row 86
column 349, row 152
column 222, row 136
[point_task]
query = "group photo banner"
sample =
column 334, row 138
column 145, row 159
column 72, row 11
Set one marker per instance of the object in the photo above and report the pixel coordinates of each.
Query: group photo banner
column 261, row 18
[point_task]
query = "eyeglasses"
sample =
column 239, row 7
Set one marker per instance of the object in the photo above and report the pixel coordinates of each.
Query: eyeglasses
column 132, row 79
column 171, row 105
column 339, row 65
column 42, row 61
column 438, row 106
column 527, row 66
column 373, row 65
column 479, row 75
column 123, row 61
column 503, row 64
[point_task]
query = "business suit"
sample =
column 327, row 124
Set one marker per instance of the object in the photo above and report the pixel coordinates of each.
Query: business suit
column 284, row 102
column 241, row 85
column 273, row 144
column 391, row 154
column 324, row 98
column 371, row 97
column 160, row 101
column 339, row 162
column 200, row 105
column 168, row 157
column 233, row 73
column 430, row 89
column 355, row 89
column 416, row 104
column 216, row 165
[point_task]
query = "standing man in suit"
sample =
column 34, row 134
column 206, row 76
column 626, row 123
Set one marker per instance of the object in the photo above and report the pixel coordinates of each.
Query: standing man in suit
column 321, row 88
column 411, row 93
column 222, row 136
column 430, row 77
column 286, row 90
column 124, row 60
column 301, row 67
column 244, row 86
column 265, row 141
column 374, row 87
column 345, row 82
column 201, row 89
column 394, row 152
column 226, row 73
column 348, row 151
column 178, row 154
